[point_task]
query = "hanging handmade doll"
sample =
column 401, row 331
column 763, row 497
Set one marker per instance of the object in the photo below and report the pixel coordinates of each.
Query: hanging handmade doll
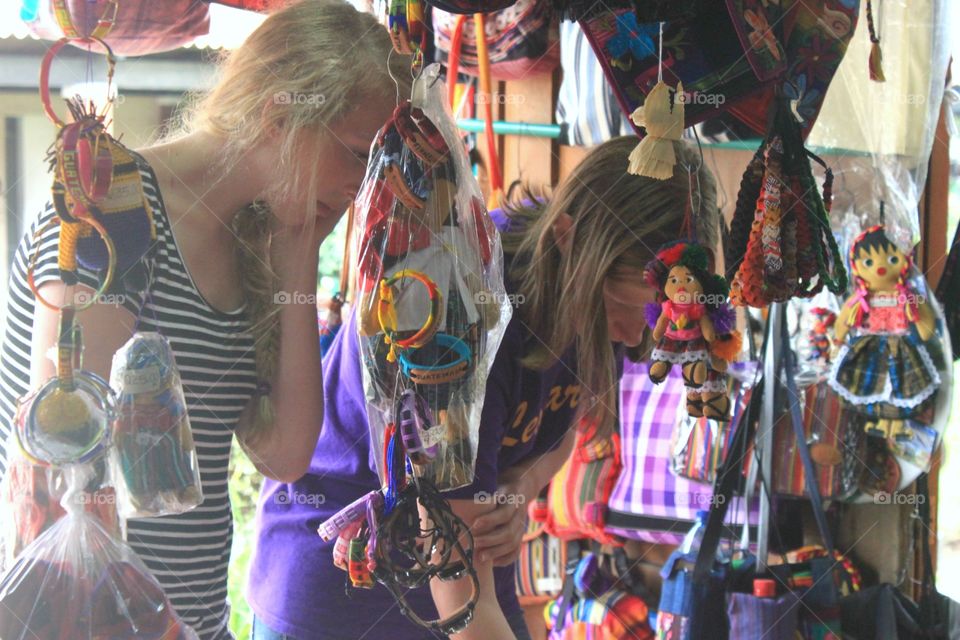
column 818, row 335
column 884, row 369
column 692, row 326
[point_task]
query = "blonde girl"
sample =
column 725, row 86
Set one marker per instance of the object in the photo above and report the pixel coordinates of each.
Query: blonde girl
column 577, row 263
column 264, row 167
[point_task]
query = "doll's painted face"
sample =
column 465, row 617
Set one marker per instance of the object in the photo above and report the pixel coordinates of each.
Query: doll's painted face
column 682, row 287
column 880, row 267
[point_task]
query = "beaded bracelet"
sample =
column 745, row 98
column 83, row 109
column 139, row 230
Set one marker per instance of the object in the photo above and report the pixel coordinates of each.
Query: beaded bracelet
column 387, row 315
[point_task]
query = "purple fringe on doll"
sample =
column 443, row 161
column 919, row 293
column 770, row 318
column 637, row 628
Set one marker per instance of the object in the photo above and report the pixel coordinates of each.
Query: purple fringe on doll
column 652, row 312
column 724, row 319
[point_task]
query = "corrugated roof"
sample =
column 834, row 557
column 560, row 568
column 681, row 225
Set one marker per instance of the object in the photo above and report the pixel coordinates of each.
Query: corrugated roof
column 229, row 27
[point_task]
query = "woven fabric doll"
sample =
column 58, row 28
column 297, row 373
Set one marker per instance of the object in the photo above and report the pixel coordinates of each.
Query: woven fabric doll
column 884, row 368
column 692, row 326
column 819, row 334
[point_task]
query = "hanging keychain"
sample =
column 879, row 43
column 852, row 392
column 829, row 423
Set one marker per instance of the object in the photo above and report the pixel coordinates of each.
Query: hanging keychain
column 67, row 420
column 97, row 185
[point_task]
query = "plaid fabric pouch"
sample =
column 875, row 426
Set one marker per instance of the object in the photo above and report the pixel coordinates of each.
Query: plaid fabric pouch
column 649, row 502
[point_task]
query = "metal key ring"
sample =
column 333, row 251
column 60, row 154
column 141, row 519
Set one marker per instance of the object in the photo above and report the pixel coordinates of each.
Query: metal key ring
column 107, row 280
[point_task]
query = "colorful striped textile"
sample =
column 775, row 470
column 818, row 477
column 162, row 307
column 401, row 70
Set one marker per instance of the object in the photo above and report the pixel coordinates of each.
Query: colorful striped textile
column 540, row 567
column 614, row 615
column 579, row 493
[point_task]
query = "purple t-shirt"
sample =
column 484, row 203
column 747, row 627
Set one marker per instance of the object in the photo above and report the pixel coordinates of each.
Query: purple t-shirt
column 294, row 586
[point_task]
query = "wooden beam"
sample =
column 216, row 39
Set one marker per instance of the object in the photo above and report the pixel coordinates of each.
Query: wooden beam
column 531, row 160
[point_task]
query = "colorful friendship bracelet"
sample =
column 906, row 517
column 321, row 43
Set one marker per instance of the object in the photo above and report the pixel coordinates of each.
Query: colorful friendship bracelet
column 387, row 316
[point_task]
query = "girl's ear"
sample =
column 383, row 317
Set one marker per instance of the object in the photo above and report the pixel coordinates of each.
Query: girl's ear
column 563, row 233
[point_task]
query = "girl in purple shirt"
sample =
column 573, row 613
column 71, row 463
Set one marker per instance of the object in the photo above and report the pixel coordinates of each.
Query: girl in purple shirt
column 575, row 269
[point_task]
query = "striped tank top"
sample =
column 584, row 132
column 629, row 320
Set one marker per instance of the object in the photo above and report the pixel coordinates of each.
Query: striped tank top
column 188, row 553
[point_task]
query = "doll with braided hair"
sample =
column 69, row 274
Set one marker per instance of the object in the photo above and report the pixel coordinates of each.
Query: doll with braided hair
column 884, row 368
column 692, row 325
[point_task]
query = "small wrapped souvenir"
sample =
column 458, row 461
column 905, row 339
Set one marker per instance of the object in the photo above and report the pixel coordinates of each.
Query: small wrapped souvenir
column 693, row 326
column 154, row 455
column 431, row 311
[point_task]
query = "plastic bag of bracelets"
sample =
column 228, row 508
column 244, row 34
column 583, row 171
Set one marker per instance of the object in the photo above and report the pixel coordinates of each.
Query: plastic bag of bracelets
column 431, row 307
column 154, row 457
column 77, row 581
column 30, row 503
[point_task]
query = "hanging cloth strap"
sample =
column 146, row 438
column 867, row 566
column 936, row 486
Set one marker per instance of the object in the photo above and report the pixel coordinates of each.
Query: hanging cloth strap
column 483, row 59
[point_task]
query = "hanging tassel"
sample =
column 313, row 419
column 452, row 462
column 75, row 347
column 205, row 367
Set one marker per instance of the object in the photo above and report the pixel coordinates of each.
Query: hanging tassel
column 654, row 157
column 876, row 56
column 876, row 63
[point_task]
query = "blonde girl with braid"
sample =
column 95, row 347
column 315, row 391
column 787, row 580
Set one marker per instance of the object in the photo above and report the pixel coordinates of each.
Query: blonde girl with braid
column 263, row 168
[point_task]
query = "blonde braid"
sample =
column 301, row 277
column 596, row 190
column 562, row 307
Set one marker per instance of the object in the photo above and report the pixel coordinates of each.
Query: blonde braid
column 259, row 283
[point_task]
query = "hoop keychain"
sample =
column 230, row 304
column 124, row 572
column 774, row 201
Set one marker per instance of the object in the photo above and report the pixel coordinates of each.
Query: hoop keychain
column 68, row 256
column 387, row 315
column 67, row 420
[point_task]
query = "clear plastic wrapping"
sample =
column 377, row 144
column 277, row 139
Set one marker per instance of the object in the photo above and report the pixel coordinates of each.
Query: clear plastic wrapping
column 877, row 138
column 878, row 135
column 156, row 463
column 30, row 497
column 431, row 304
column 78, row 582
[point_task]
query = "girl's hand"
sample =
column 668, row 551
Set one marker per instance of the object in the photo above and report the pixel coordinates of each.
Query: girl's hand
column 498, row 535
column 294, row 254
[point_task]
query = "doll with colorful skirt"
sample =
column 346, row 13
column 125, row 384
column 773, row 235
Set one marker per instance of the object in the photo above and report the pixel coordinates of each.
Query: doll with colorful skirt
column 884, row 368
column 692, row 326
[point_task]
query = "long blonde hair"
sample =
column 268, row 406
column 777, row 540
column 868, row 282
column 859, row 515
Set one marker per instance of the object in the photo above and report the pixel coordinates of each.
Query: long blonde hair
column 304, row 69
column 619, row 221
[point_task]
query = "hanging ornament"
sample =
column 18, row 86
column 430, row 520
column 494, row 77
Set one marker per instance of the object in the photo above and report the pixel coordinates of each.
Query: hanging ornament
column 693, row 326
column 663, row 119
column 885, row 368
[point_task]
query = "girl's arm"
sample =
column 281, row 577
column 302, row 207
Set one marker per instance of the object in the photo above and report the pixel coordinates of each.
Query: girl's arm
column 450, row 596
column 106, row 327
column 285, row 450
column 499, row 533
